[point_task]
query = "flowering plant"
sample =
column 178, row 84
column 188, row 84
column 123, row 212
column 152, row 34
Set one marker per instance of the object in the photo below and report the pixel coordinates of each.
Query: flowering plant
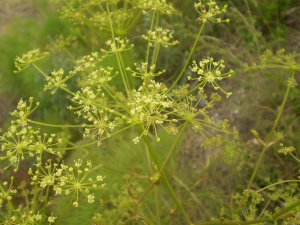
column 144, row 107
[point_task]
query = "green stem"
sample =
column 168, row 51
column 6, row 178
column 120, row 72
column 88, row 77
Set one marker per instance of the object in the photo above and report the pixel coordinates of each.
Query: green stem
column 221, row 222
column 53, row 125
column 194, row 89
column 150, row 148
column 285, row 210
column 168, row 186
column 294, row 157
column 137, row 16
column 35, row 197
column 148, row 46
column 176, row 200
column 148, row 160
column 69, row 54
column 174, row 146
column 123, row 73
column 95, row 142
column 111, row 93
column 201, row 174
column 110, row 22
column 155, row 54
column 281, row 182
column 145, row 193
column 45, row 203
column 38, row 69
column 277, row 216
column 189, row 57
column 66, row 90
column 157, row 205
column 118, row 55
column 270, row 136
column 66, row 210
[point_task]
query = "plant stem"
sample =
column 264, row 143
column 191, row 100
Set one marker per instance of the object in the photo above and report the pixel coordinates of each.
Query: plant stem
column 169, row 188
column 189, row 57
column 294, row 157
column 273, row 218
column 199, row 177
column 270, row 136
column 53, row 125
column 174, row 146
column 157, row 205
column 38, row 69
column 145, row 193
column 172, row 193
column 281, row 182
column 150, row 148
column 69, row 54
column 66, row 210
column 45, row 204
column 285, row 210
column 150, row 29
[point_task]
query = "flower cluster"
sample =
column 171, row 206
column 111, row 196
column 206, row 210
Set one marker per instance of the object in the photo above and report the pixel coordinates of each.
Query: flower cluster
column 21, row 139
column 24, row 140
column 100, row 19
column 210, row 72
column 119, row 18
column 75, row 14
column 286, row 150
column 279, row 60
column 194, row 109
column 29, row 58
column 23, row 216
column 15, row 143
column 85, row 98
column 51, row 218
column 60, row 43
column 149, row 106
column 153, row 5
column 42, row 143
column 6, row 194
column 248, row 201
column 160, row 37
column 100, row 76
column 87, row 63
column 56, row 79
column 143, row 72
column 75, row 180
column 100, row 125
column 42, row 177
column 116, row 45
column 22, row 112
column 67, row 180
column 210, row 13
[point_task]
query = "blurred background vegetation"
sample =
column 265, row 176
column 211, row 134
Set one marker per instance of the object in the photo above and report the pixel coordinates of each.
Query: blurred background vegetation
column 256, row 25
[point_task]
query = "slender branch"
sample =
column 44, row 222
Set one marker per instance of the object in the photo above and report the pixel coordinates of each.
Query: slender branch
column 66, row 210
column 189, row 57
column 164, row 177
column 281, row 182
column 174, row 146
column 268, row 140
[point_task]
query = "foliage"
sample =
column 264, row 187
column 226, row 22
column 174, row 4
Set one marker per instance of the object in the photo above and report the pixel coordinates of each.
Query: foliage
column 121, row 100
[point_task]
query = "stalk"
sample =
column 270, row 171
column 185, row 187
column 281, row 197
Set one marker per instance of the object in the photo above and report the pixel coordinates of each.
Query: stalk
column 173, row 146
column 189, row 57
column 66, row 210
column 164, row 177
column 270, row 136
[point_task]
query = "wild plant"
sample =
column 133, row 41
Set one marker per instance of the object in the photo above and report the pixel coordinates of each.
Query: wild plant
column 143, row 108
